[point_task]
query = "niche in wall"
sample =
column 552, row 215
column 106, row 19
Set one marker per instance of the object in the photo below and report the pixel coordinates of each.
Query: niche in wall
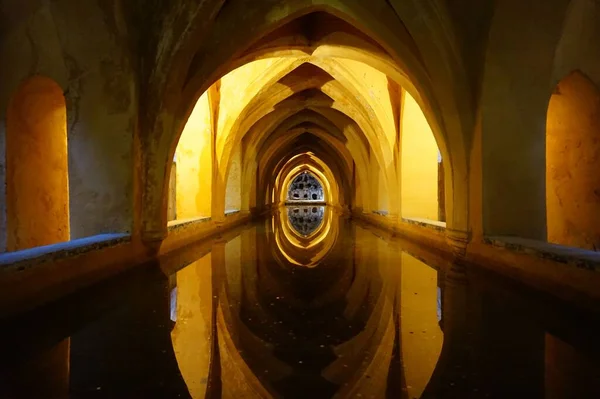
column 573, row 163
column 37, row 172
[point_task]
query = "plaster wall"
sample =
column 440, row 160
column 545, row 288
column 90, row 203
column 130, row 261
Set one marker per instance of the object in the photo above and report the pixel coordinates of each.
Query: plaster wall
column 514, row 102
column 234, row 98
column 194, row 164
column 233, row 194
column 102, row 116
column 419, row 158
column 374, row 173
column 572, row 164
column 383, row 199
column 577, row 48
column 476, row 185
column 357, row 190
column 374, row 85
column 81, row 47
column 37, row 186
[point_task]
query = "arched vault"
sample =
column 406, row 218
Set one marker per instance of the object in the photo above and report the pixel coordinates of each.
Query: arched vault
column 311, row 59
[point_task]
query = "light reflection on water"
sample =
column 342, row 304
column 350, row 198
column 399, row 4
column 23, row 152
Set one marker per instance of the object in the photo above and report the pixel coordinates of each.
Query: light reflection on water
column 267, row 311
column 305, row 219
column 313, row 311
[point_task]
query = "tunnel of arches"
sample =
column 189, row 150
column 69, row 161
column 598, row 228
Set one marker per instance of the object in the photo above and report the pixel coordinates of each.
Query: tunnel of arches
column 482, row 135
column 348, row 114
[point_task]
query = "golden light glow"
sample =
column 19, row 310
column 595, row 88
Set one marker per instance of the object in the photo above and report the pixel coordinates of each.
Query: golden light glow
column 37, row 183
column 304, row 251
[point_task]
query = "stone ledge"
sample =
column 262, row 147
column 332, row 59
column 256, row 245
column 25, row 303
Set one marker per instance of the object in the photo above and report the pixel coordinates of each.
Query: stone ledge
column 179, row 224
column 580, row 258
column 431, row 224
column 381, row 213
column 21, row 260
column 230, row 212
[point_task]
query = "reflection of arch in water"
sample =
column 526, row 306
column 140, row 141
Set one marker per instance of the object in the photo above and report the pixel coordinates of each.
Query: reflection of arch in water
column 305, row 219
column 191, row 303
column 298, row 249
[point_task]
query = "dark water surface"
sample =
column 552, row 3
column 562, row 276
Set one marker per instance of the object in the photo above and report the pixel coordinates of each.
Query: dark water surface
column 305, row 304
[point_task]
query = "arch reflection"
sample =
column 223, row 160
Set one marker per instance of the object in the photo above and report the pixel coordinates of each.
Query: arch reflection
column 305, row 219
column 291, row 315
column 318, row 234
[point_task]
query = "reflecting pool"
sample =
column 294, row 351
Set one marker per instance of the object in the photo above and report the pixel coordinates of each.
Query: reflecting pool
column 305, row 220
column 304, row 304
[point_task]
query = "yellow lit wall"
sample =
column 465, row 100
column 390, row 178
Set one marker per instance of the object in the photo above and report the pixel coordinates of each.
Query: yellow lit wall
column 37, row 188
column 573, row 164
column 382, row 196
column 374, row 178
column 237, row 88
column 192, row 335
column 194, row 164
column 233, row 195
column 421, row 335
column 358, row 192
column 374, row 86
column 419, row 164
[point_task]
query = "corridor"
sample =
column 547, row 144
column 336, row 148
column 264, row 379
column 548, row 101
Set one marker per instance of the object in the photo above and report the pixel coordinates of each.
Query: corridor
column 299, row 198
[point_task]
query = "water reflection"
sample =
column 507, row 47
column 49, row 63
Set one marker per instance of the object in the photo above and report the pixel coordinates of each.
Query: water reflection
column 305, row 219
column 299, row 249
column 268, row 312
column 327, row 329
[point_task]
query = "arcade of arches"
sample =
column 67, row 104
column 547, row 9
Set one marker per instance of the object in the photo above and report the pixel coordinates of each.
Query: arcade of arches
column 130, row 131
